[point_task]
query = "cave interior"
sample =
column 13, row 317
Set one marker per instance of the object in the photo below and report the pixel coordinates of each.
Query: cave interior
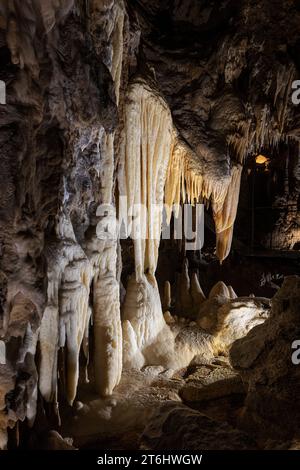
column 126, row 112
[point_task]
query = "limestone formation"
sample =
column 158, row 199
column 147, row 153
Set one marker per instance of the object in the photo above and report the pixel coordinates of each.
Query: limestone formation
column 228, row 317
column 116, row 115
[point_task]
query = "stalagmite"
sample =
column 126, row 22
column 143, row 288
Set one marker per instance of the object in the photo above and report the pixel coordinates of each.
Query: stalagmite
column 169, row 318
column 219, row 290
column 232, row 293
column 167, row 296
column 108, row 335
column 142, row 311
column 196, row 290
column 103, row 249
column 207, row 313
column 103, row 252
column 186, row 301
column 132, row 356
column 49, row 344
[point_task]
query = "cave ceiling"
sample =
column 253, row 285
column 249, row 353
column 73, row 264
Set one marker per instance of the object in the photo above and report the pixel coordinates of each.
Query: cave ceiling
column 226, row 70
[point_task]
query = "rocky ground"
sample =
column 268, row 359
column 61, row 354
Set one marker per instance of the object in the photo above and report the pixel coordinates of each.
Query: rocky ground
column 238, row 402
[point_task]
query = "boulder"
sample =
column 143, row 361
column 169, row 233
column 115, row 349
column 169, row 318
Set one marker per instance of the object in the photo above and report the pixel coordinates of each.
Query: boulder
column 175, row 426
column 264, row 360
column 208, row 382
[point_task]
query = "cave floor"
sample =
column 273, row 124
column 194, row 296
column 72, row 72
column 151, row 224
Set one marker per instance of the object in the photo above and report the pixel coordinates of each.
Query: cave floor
column 118, row 422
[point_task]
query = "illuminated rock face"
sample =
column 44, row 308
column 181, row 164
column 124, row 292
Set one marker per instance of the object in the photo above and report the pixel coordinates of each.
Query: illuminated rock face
column 92, row 114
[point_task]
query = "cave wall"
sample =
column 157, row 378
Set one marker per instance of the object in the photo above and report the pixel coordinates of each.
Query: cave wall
column 66, row 68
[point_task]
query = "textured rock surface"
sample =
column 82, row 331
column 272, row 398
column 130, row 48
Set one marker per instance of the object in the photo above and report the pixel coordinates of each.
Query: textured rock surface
column 264, row 360
column 124, row 415
column 7, row 385
column 62, row 66
column 175, row 426
column 209, row 382
column 234, row 64
column 228, row 317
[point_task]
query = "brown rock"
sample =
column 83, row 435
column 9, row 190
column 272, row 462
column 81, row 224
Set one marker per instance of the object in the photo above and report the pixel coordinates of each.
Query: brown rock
column 264, row 360
column 175, row 426
column 210, row 382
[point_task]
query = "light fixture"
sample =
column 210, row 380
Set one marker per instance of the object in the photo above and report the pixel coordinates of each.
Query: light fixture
column 261, row 160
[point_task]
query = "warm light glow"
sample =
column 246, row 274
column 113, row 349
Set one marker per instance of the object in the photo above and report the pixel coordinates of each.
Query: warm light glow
column 261, row 159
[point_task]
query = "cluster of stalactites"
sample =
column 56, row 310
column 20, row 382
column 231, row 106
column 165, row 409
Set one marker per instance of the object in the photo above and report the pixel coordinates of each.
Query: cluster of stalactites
column 148, row 147
column 224, row 216
column 188, row 183
column 67, row 314
column 159, row 168
column 266, row 126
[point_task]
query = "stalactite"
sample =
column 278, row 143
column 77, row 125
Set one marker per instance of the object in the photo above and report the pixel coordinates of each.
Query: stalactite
column 112, row 15
column 72, row 269
column 67, row 313
column 285, row 77
column 149, row 138
column 102, row 251
column 117, row 48
column 266, row 124
column 224, row 218
column 186, row 181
